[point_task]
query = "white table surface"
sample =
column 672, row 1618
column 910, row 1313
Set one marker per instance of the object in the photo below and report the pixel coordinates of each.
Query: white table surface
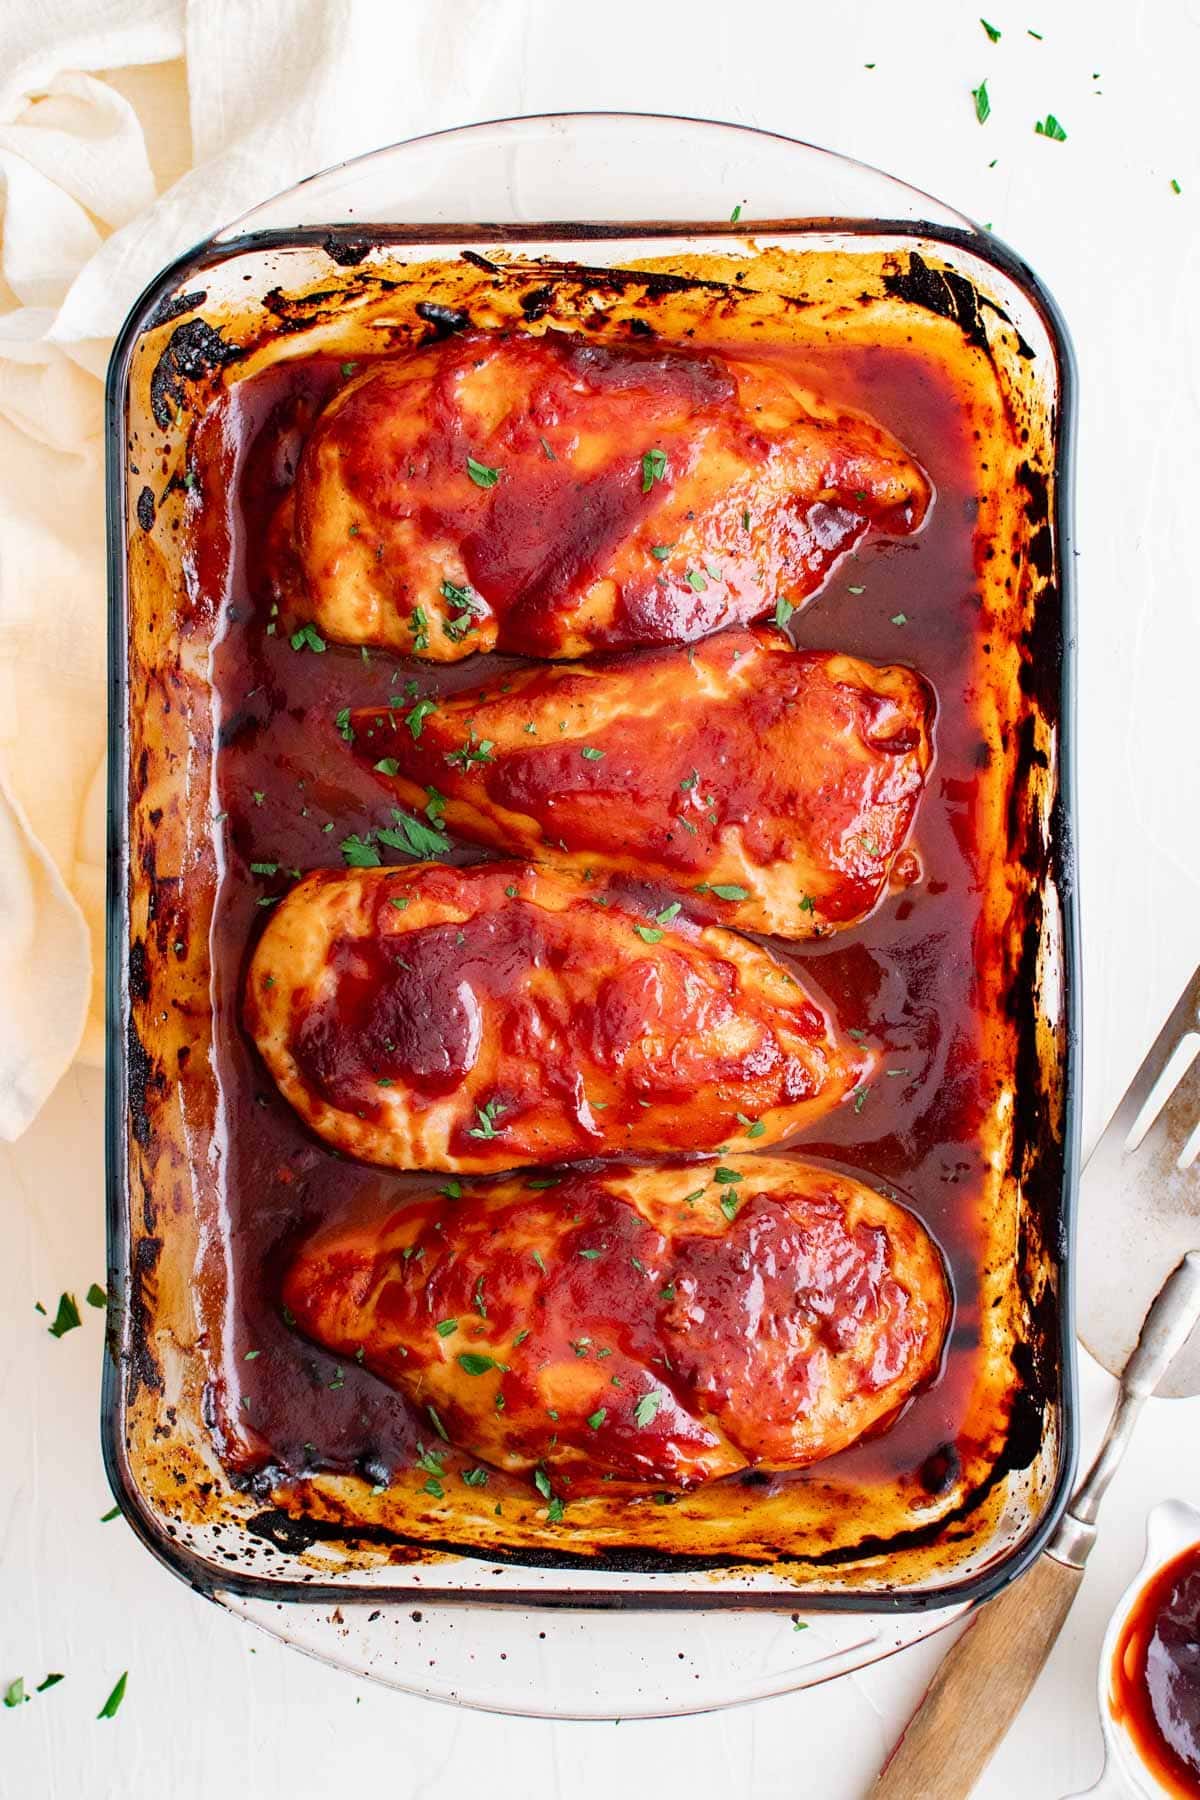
column 212, row 1707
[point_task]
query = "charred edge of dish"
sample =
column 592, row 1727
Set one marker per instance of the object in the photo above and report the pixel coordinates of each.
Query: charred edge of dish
column 346, row 252
column 143, row 1368
column 1025, row 351
column 167, row 309
column 192, row 352
column 941, row 291
column 140, row 1077
column 446, row 320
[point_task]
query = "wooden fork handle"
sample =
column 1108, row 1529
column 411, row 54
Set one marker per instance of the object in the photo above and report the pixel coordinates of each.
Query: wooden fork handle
column 980, row 1688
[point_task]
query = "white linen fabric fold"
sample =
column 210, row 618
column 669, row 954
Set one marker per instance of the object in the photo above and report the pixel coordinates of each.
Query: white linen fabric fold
column 130, row 130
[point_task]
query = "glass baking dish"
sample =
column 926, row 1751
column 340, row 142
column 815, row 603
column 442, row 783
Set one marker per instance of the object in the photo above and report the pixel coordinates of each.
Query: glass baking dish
column 587, row 193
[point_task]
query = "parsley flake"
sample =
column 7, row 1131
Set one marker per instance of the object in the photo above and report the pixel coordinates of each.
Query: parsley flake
column 596, row 1419
column 983, row 106
column 66, row 1318
column 487, row 1116
column 647, row 1407
column 481, row 475
column 1049, row 127
column 654, row 468
column 308, row 638
column 648, row 934
column 109, row 1709
column 591, row 755
column 783, row 612
column 993, row 34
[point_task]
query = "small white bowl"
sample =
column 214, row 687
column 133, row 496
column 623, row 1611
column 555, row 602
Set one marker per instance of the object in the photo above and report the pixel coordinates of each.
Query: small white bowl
column 1171, row 1528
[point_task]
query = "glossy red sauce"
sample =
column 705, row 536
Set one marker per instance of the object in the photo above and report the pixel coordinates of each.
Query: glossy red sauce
column 1155, row 1690
column 716, row 1325
column 904, row 979
column 561, row 1002
column 540, row 534
column 714, row 770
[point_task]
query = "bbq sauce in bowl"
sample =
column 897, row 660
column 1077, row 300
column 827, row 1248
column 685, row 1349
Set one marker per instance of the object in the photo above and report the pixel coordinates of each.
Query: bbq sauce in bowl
column 1155, row 1676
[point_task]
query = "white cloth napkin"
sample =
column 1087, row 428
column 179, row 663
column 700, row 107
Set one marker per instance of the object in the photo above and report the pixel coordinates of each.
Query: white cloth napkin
column 129, row 130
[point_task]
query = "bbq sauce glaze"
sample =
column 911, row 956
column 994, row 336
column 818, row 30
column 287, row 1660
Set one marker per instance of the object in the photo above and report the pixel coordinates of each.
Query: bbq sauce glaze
column 1155, row 1675
column 289, row 789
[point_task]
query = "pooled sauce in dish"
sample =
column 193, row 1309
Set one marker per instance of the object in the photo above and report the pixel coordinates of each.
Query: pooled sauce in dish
column 901, row 982
column 1155, row 1690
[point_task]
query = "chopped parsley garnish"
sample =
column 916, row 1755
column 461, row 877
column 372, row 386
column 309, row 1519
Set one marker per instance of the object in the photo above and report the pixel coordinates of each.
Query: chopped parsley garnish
column 537, row 1257
column 14, row 1693
column 477, row 1299
column 345, row 728
column 430, row 1460
column 983, row 106
column 654, row 468
column 471, row 752
column 51, row 1680
column 899, row 618
column 591, row 755
column 729, row 890
column 860, row 1099
column 445, row 1327
column 359, row 852
column 387, row 765
column 993, row 34
column 660, row 552
column 434, row 1488
column 783, row 612
column 537, row 1182
column 475, row 1477
column 308, row 638
column 412, row 835
column 591, row 1255
column 419, row 626
column 96, row 1296
column 729, row 1204
column 437, row 1424
column 114, row 1512
column 481, row 475
column 726, row 1176
column 596, row 1419
column 754, row 1127
column 1175, row 187
column 510, row 892
column 647, row 1407
column 399, row 901
column 736, row 214
column 109, row 1709
column 66, row 1318
column 420, row 712
column 471, row 1362
column 648, row 933
column 541, row 1482
column 554, row 1511
column 452, row 1190
column 264, row 868
column 487, row 1116
column 691, row 1199
column 668, row 1292
column 696, row 581
column 461, row 597
column 1049, row 127
column 349, row 368
column 667, row 914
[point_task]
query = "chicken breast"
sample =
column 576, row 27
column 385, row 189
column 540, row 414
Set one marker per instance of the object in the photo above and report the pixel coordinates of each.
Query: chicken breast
column 551, row 495
column 660, row 1325
column 778, row 785
column 493, row 1017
